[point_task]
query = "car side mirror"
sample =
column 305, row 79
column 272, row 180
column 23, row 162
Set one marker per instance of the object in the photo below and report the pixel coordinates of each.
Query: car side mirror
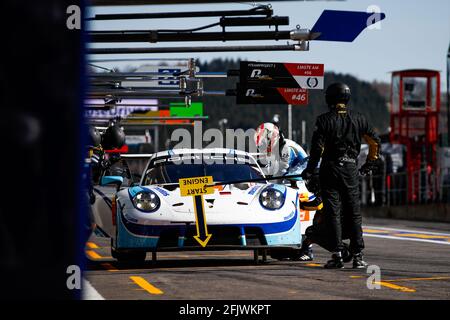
column 112, row 180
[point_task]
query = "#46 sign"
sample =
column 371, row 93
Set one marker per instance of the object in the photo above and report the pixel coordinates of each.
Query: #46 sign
column 248, row 94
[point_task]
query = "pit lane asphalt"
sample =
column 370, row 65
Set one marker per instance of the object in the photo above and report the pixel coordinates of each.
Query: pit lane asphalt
column 409, row 270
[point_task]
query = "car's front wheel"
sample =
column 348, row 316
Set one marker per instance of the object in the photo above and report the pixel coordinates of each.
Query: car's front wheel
column 128, row 256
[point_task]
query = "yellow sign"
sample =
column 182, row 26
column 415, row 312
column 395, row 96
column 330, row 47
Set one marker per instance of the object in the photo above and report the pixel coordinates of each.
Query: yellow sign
column 196, row 186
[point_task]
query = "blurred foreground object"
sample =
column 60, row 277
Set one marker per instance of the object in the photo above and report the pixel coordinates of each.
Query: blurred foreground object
column 43, row 209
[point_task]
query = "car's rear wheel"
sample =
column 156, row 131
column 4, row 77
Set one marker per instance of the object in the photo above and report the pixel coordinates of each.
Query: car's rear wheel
column 128, row 256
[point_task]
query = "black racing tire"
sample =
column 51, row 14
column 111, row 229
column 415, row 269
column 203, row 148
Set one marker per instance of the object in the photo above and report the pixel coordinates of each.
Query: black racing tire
column 128, row 256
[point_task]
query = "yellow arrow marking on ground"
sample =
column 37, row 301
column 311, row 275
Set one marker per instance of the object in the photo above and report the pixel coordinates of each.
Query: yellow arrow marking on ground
column 94, row 255
column 394, row 286
column 92, row 245
column 374, row 231
column 144, row 284
column 313, row 265
column 418, row 279
column 421, row 236
column 389, row 283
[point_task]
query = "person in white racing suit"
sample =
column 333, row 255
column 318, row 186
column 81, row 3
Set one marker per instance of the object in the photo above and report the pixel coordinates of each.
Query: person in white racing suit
column 277, row 155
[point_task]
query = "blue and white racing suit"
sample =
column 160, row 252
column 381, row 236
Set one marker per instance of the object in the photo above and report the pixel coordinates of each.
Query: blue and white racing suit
column 292, row 159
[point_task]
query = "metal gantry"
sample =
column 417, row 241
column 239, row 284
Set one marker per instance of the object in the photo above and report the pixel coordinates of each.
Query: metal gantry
column 186, row 82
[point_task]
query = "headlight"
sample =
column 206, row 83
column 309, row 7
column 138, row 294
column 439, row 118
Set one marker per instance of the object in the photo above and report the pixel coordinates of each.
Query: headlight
column 146, row 201
column 271, row 199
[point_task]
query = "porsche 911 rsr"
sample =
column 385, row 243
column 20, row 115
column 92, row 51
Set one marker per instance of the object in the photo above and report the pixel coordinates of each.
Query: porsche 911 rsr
column 153, row 216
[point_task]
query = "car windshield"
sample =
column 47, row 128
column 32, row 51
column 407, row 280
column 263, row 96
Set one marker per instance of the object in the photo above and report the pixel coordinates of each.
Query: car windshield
column 171, row 173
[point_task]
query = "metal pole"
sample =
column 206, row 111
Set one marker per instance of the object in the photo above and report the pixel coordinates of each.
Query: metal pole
column 137, row 59
column 448, row 96
column 211, row 75
column 144, row 125
column 106, row 105
column 141, row 92
column 363, row 190
column 153, row 118
column 136, row 97
column 258, row 11
column 148, row 74
column 384, row 187
column 303, row 132
column 156, row 124
column 388, row 188
column 290, row 121
column 154, row 36
column 156, row 139
column 254, row 21
column 372, row 191
column 147, row 95
column 289, row 47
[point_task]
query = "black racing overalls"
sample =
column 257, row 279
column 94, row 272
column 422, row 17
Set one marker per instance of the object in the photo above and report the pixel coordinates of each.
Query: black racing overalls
column 337, row 140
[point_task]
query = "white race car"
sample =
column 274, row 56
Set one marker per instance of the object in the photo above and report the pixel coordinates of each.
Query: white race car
column 153, row 216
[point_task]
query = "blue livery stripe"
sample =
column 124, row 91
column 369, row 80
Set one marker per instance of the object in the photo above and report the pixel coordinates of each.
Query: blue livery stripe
column 155, row 230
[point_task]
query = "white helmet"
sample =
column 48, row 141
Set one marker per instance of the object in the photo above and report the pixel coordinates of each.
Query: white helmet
column 266, row 137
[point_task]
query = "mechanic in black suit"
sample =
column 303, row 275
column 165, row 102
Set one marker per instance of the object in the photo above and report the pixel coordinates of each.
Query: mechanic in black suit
column 337, row 141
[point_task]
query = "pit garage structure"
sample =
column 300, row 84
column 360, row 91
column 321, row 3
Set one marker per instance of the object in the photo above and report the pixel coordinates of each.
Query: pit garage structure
column 415, row 106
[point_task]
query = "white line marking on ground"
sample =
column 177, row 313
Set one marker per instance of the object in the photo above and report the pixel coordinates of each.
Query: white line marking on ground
column 88, row 292
column 407, row 230
column 406, row 239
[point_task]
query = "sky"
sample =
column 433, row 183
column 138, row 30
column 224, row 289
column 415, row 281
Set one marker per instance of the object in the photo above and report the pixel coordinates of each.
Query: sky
column 414, row 34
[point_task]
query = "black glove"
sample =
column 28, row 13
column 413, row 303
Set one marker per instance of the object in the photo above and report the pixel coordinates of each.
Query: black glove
column 311, row 178
column 307, row 174
column 313, row 184
column 369, row 167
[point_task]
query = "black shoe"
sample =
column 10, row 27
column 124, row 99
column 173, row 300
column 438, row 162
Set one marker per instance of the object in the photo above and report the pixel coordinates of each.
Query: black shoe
column 358, row 262
column 336, row 261
column 303, row 254
column 306, row 255
column 347, row 256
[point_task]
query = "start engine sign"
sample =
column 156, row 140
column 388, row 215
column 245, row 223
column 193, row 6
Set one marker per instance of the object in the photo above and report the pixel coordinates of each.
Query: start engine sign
column 196, row 186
